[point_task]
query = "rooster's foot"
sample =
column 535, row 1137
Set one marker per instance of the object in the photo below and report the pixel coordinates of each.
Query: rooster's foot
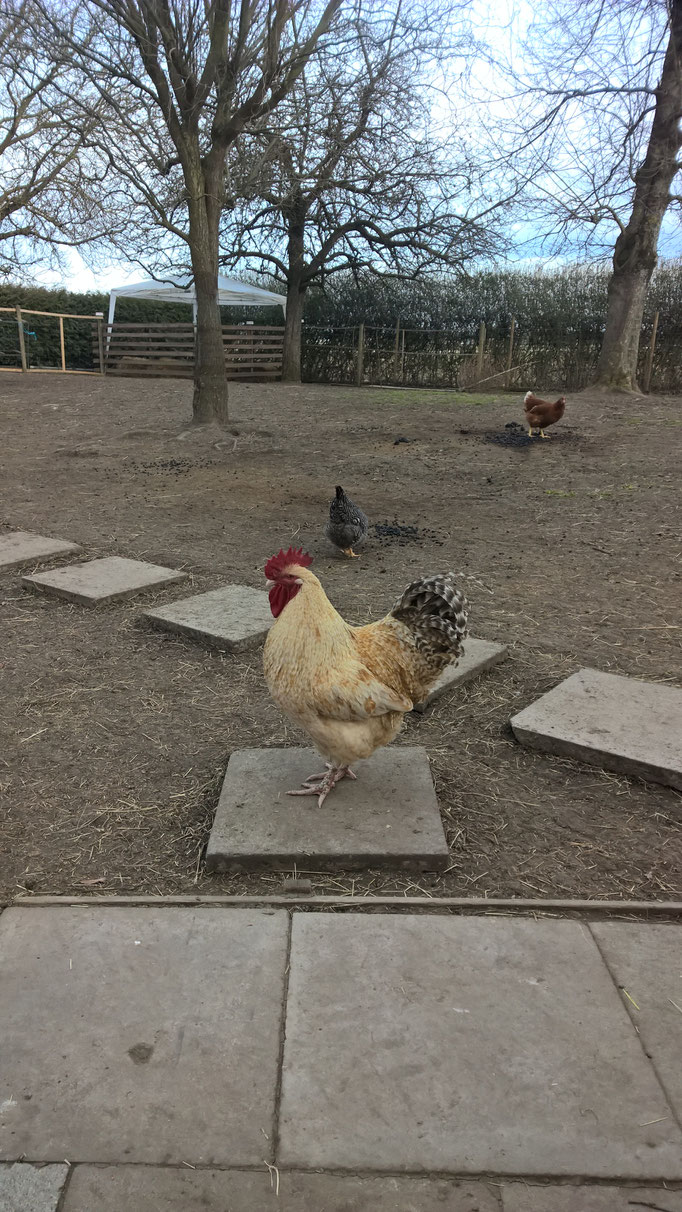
column 349, row 552
column 340, row 772
column 543, row 434
column 530, row 433
column 321, row 784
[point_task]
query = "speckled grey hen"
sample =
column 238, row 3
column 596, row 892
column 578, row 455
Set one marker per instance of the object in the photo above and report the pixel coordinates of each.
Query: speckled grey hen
column 348, row 525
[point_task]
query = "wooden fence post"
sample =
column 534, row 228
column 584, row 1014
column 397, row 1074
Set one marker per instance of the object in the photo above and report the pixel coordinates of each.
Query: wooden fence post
column 481, row 349
column 402, row 356
column 360, row 366
column 396, row 350
column 100, row 344
column 650, row 355
column 22, row 343
column 61, row 342
column 510, row 351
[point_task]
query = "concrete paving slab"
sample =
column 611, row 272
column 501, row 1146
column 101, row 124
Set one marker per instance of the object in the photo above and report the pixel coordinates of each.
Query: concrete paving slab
column 388, row 817
column 465, row 1045
column 136, row 1189
column 22, row 547
column 139, row 1035
column 27, row 1188
column 100, row 581
column 235, row 617
column 619, row 723
column 646, row 959
column 522, row 1197
column 478, row 656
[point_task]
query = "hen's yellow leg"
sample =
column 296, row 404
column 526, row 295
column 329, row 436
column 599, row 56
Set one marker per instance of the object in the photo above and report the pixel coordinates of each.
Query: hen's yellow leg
column 349, row 552
column 543, row 434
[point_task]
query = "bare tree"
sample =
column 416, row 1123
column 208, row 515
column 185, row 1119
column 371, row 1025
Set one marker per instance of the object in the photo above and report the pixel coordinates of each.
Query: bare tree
column 634, row 257
column 51, row 179
column 352, row 173
column 594, row 135
column 182, row 79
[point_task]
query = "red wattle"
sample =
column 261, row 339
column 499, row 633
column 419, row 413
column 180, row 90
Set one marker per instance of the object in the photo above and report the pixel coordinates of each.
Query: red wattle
column 281, row 594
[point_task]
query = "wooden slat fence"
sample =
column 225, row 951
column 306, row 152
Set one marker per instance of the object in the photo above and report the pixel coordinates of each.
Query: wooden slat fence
column 252, row 352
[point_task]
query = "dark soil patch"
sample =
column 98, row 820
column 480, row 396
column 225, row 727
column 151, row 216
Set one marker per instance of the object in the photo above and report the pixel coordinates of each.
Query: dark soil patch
column 398, row 532
column 517, row 436
column 115, row 737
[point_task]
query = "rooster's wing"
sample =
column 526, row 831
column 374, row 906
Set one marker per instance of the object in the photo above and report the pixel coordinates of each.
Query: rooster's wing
column 356, row 694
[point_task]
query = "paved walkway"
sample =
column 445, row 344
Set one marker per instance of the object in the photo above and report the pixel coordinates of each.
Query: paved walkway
column 206, row 1059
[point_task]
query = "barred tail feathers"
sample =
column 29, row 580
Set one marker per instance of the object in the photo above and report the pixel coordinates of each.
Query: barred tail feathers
column 436, row 612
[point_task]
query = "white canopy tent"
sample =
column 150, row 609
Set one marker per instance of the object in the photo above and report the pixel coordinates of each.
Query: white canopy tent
column 231, row 293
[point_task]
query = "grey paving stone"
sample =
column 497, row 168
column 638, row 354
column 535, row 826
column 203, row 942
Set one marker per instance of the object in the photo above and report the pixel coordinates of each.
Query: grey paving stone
column 646, row 959
column 22, row 547
column 619, row 723
column 233, row 617
column 27, row 1188
column 139, row 1035
column 467, row 1045
column 99, row 581
column 388, row 816
column 522, row 1197
column 137, row 1189
column 478, row 656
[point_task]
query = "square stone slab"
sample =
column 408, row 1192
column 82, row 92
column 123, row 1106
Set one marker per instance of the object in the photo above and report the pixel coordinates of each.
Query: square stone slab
column 140, row 1035
column 522, row 1197
column 139, row 1188
column 21, row 547
column 100, row 581
column 478, row 656
column 465, row 1045
column 619, row 723
column 388, row 817
column 234, row 617
column 26, row 1188
column 646, row 959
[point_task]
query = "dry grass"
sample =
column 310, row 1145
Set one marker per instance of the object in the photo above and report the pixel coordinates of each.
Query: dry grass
column 118, row 736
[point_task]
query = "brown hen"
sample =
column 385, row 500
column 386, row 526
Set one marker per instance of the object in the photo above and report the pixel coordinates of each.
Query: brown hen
column 540, row 413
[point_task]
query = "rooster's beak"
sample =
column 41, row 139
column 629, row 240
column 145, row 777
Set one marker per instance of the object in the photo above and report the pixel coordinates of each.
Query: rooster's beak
column 269, row 584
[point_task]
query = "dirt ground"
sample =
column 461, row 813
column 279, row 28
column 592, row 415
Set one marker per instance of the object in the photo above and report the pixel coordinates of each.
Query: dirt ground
column 115, row 737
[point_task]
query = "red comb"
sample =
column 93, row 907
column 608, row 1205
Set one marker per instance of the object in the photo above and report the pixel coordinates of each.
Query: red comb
column 283, row 559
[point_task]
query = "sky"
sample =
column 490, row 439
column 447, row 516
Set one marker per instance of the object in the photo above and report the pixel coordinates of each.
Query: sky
column 501, row 24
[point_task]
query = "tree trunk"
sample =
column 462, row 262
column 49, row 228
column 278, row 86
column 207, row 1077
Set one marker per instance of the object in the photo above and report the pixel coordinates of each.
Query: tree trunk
column 294, row 216
column 291, row 353
column 634, row 257
column 210, row 400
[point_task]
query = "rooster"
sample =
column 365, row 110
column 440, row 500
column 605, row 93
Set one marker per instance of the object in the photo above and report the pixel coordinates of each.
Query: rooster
column 349, row 687
column 540, row 413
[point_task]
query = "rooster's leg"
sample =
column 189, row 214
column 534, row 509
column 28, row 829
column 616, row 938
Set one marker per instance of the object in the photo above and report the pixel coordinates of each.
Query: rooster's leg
column 530, row 433
column 319, row 778
column 543, row 434
column 321, row 784
column 349, row 552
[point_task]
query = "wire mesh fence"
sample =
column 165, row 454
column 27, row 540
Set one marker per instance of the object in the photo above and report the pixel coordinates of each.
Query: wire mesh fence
column 34, row 340
column 507, row 356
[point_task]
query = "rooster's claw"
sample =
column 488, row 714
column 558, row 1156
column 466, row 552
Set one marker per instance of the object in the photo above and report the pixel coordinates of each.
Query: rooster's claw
column 321, row 784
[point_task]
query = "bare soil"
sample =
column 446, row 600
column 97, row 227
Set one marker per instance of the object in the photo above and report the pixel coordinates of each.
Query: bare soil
column 116, row 737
